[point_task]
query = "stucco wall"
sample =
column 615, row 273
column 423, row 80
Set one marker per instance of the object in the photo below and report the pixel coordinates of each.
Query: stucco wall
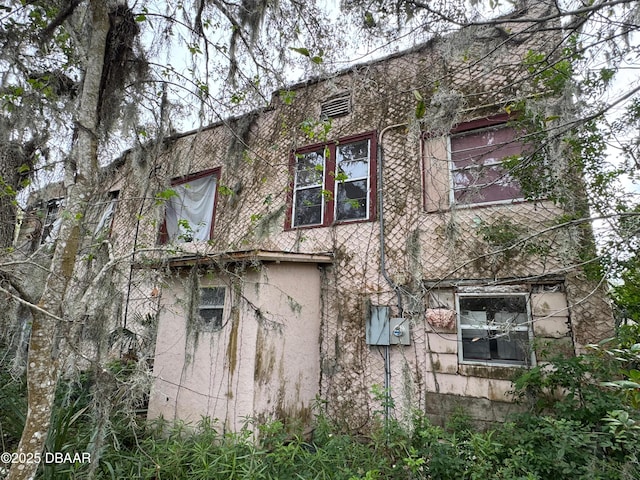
column 428, row 245
column 261, row 364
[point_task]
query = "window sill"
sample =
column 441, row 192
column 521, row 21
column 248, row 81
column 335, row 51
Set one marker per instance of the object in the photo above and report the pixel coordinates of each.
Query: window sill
column 334, row 224
column 493, row 371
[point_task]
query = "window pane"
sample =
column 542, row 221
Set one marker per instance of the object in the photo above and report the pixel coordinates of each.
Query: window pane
column 351, row 201
column 309, row 168
column 212, row 316
column 354, row 169
column 510, row 318
column 478, row 175
column 308, row 207
column 484, row 147
column 212, row 296
column 492, row 193
column 212, row 306
column 353, row 151
column 353, row 159
column 512, row 347
column 469, row 317
column 476, row 344
column 502, row 328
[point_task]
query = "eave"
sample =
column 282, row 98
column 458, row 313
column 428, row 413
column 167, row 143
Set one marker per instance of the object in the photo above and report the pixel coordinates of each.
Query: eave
column 245, row 256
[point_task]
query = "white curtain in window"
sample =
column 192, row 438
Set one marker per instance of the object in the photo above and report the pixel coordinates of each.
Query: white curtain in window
column 190, row 213
column 107, row 215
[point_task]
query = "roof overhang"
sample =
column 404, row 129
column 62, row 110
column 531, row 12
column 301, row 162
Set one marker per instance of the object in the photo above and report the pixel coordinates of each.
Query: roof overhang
column 246, row 256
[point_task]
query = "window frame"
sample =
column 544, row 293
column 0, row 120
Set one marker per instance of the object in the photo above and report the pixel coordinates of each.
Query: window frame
column 330, row 184
column 529, row 358
column 164, row 233
column 468, row 128
column 211, row 325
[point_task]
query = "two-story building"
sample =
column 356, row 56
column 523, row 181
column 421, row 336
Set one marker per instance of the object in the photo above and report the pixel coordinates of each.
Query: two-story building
column 361, row 234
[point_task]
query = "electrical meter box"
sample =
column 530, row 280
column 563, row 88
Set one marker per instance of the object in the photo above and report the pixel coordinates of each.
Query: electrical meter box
column 382, row 330
column 399, row 329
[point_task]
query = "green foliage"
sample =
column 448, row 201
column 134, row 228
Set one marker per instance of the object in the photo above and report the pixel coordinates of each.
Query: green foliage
column 626, row 295
column 549, row 77
column 71, row 428
column 317, row 59
column 501, row 233
column 562, row 446
column 570, row 388
column 165, row 195
column 13, row 408
column 287, row 96
column 316, row 129
column 225, row 190
column 421, row 106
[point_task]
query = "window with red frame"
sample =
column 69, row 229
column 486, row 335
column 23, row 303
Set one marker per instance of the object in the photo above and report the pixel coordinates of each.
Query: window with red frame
column 190, row 208
column 477, row 170
column 334, row 183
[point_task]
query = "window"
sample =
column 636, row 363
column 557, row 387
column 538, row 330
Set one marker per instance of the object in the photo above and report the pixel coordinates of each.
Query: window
column 52, row 221
column 211, row 308
column 333, row 183
column 477, row 173
column 190, row 208
column 494, row 329
column 106, row 218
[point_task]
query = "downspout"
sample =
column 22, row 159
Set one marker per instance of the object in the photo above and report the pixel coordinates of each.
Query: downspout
column 383, row 267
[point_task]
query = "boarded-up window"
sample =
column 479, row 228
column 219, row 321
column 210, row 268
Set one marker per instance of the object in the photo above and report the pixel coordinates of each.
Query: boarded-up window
column 436, row 173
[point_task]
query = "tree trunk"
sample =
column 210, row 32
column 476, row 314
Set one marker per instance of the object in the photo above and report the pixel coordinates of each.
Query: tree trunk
column 47, row 348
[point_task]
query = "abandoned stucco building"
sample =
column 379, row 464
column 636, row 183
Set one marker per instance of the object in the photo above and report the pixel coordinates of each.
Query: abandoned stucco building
column 361, row 231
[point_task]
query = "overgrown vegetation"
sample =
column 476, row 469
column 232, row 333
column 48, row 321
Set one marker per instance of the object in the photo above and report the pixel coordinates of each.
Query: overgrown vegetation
column 581, row 421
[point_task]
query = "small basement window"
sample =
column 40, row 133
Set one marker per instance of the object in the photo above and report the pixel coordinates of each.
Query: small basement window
column 211, row 308
column 494, row 329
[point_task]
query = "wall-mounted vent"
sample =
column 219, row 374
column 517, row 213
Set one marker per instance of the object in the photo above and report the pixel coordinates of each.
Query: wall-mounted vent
column 336, row 107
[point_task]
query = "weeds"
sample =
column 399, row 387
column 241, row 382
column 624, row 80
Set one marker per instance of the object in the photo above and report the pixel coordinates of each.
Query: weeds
column 590, row 432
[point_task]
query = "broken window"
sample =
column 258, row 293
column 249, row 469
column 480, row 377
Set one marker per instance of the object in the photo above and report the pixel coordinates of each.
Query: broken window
column 52, row 221
column 494, row 329
column 211, row 308
column 190, row 208
column 334, row 182
column 477, row 170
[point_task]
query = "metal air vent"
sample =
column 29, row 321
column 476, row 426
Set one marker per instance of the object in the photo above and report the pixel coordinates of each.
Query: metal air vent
column 336, row 107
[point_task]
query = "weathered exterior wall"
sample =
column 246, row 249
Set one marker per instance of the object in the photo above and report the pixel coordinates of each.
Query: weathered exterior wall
column 260, row 364
column 274, row 355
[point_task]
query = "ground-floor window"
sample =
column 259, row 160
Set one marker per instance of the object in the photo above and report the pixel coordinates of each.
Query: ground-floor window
column 494, row 328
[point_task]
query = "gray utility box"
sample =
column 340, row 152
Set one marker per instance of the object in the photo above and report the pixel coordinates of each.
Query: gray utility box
column 382, row 330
